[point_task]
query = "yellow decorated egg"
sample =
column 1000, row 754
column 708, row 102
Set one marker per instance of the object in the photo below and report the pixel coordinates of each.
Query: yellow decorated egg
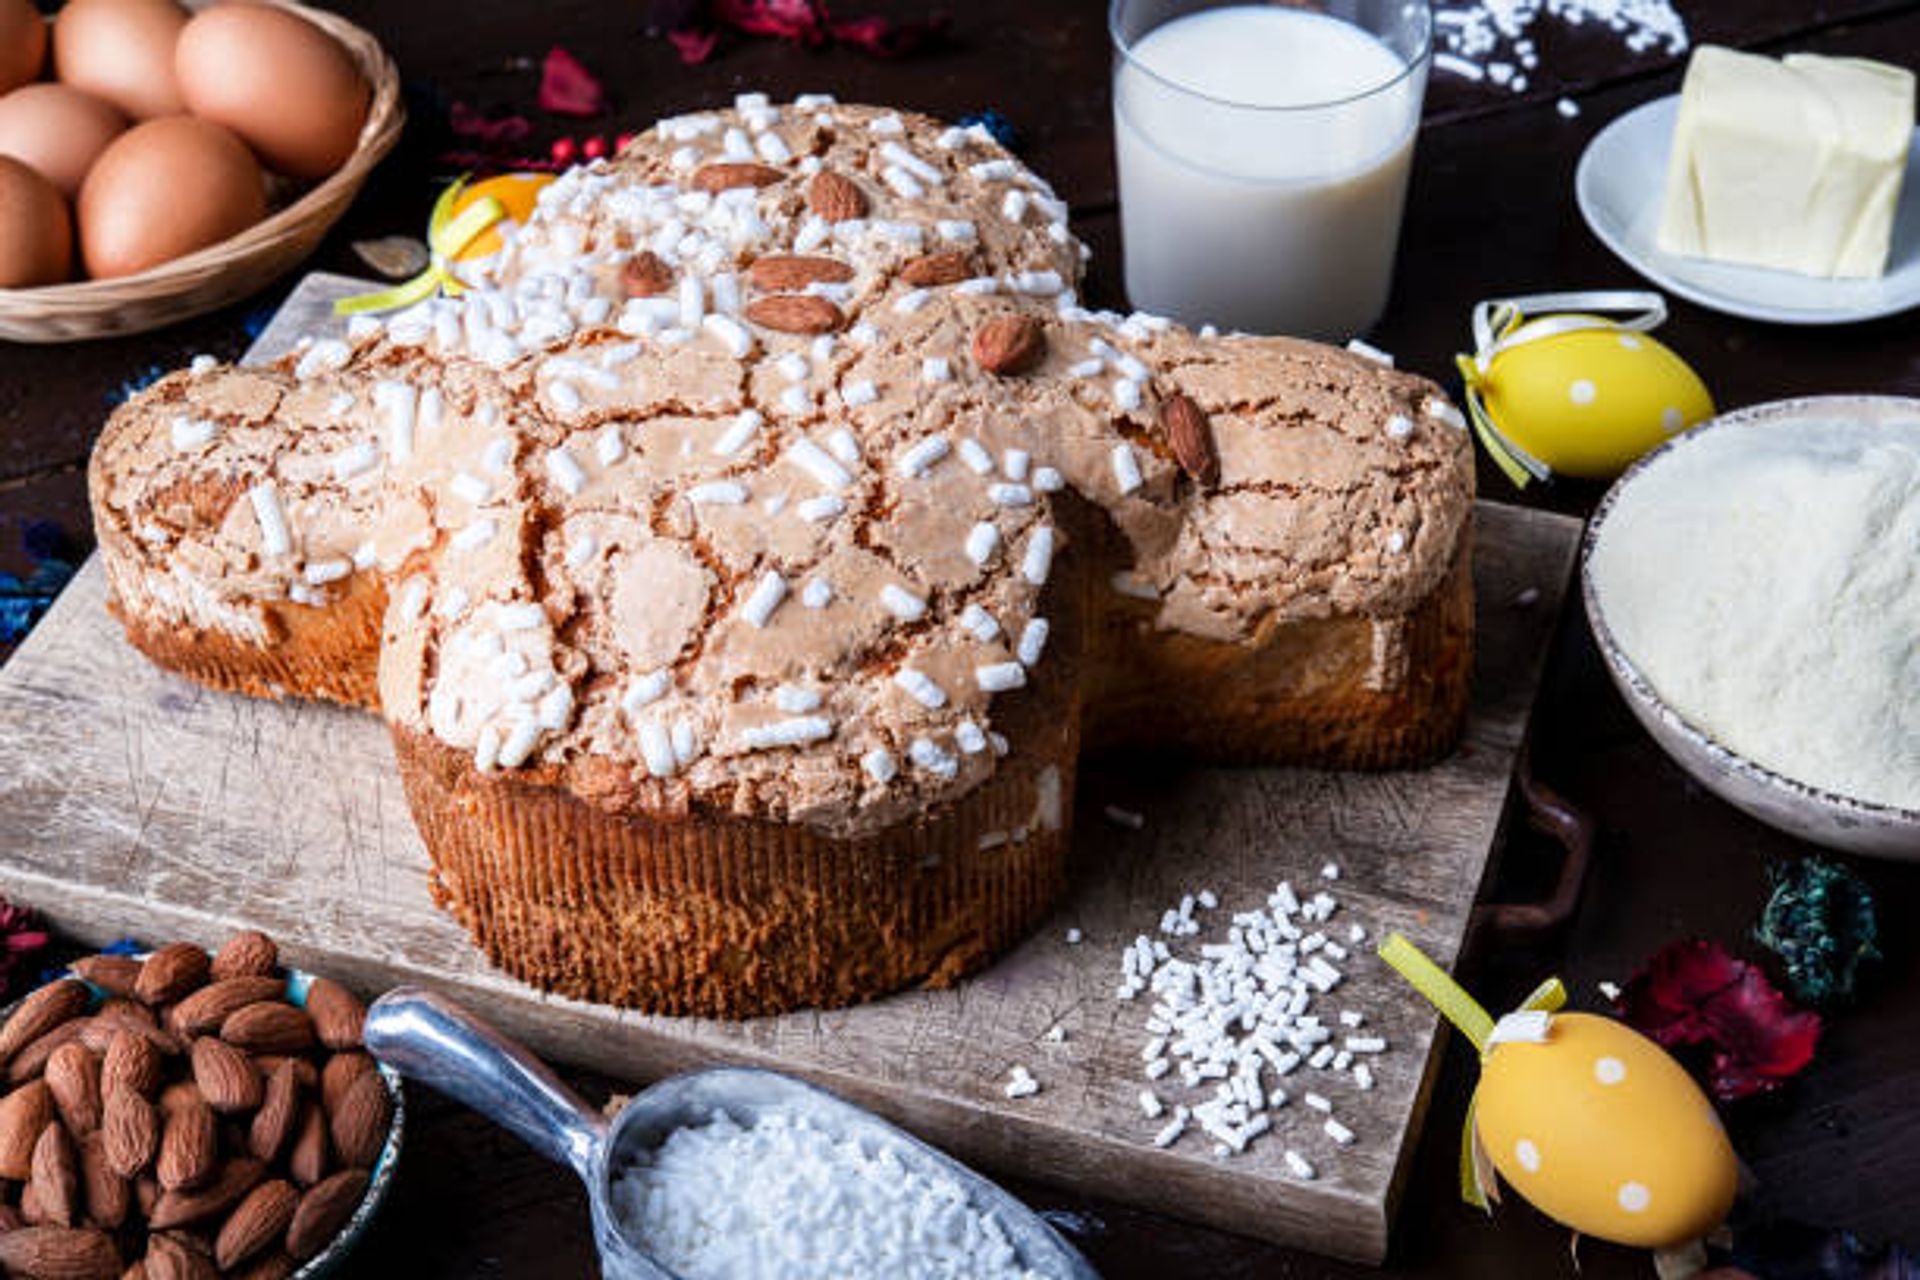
column 1601, row 1130
column 1588, row 401
column 517, row 194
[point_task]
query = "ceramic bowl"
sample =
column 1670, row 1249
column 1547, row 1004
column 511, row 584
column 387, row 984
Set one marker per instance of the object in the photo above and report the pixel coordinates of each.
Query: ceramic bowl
column 1823, row 817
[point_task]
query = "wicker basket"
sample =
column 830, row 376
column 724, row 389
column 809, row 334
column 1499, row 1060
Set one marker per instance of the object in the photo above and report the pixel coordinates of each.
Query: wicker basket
column 212, row 277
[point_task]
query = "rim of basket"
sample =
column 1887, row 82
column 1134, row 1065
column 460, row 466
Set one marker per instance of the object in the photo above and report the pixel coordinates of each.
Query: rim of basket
column 385, row 118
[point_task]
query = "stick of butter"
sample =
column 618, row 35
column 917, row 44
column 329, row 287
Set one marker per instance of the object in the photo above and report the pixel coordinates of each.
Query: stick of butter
column 1794, row 165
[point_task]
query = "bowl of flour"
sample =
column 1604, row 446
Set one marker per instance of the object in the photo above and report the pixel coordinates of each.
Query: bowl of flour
column 1754, row 587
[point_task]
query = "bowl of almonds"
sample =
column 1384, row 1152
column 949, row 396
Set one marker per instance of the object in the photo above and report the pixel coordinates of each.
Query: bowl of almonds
column 184, row 1115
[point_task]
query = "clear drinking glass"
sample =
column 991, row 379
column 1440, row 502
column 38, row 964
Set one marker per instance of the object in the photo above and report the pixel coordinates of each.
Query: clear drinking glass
column 1263, row 154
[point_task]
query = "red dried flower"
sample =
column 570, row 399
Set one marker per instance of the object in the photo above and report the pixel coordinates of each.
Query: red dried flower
column 569, row 89
column 1694, row 993
column 21, row 935
column 695, row 29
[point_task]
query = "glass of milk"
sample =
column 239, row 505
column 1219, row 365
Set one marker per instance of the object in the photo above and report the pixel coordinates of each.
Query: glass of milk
column 1263, row 156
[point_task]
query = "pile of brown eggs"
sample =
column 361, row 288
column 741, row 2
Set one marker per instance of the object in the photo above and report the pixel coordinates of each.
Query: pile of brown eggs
column 133, row 132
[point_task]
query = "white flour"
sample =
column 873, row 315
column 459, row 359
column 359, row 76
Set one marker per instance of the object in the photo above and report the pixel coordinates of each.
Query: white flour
column 786, row 1201
column 1766, row 580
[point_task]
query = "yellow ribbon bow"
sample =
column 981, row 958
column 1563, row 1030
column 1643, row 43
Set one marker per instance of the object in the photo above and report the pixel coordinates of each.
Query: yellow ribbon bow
column 447, row 237
column 1477, row 1185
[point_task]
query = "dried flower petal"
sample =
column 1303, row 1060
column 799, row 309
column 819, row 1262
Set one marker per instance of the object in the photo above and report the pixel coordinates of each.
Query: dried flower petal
column 569, row 89
column 1694, row 993
column 1820, row 922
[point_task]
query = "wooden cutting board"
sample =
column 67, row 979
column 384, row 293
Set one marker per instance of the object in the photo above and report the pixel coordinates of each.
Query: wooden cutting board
column 133, row 802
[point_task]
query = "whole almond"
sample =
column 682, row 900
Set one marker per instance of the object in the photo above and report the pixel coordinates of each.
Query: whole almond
column 59, row 1001
column 131, row 1062
column 213, row 1004
column 169, row 1258
column 59, row 1253
column 836, row 198
column 250, row 954
column 257, row 1222
column 715, row 178
column 125, row 1007
column 171, row 972
column 73, row 1076
column 311, row 1156
column 323, row 1210
column 114, row 975
column 1009, row 344
column 130, row 1132
column 268, row 1027
column 32, row 1060
column 279, row 1112
column 23, row 1114
column 646, row 275
column 98, row 1033
column 358, row 1127
column 106, row 1195
column 1191, row 438
column 180, row 1093
column 303, row 1069
column 189, row 1147
column 338, row 1016
column 792, row 272
column 225, row 1189
column 226, row 1076
column 949, row 266
column 795, row 313
column 274, row 1266
column 342, row 1070
column 56, row 1175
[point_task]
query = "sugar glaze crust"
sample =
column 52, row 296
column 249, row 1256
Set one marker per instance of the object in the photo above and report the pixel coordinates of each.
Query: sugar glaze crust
column 659, row 552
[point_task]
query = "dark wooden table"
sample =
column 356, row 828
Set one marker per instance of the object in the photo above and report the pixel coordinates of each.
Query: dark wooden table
column 1491, row 212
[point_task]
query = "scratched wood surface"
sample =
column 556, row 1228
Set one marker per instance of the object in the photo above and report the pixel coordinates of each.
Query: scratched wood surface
column 133, row 802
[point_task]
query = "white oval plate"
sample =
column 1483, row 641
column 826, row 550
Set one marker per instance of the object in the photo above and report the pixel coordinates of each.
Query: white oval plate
column 1619, row 184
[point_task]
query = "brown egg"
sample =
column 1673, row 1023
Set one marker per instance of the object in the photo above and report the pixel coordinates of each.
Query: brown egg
column 122, row 51
column 58, row 130
column 23, row 43
column 36, row 231
column 284, row 85
column 163, row 189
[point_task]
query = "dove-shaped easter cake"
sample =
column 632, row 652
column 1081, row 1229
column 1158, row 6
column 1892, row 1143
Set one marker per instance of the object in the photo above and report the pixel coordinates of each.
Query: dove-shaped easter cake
column 744, row 562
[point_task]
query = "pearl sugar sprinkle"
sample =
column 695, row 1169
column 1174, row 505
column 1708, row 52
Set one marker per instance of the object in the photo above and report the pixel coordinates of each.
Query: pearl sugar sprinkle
column 1231, row 1018
column 786, row 1198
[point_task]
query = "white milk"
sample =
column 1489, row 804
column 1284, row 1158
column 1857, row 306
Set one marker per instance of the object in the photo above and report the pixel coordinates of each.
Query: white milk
column 1272, row 203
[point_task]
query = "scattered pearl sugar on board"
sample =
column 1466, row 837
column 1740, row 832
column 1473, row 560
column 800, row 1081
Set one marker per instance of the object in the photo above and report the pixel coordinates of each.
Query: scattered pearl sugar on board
column 784, row 1200
column 1232, row 1011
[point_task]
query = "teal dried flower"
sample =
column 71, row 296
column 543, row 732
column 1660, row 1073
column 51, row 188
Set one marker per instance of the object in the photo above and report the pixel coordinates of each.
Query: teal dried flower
column 1820, row 922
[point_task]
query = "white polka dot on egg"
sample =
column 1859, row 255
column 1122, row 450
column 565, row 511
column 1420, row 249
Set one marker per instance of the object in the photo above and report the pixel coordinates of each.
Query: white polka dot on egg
column 1634, row 1197
column 1582, row 391
column 1609, row 1070
column 1671, row 419
column 1630, row 342
column 1528, row 1155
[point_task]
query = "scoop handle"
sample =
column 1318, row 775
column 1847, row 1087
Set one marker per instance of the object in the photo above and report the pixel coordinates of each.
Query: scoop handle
column 429, row 1038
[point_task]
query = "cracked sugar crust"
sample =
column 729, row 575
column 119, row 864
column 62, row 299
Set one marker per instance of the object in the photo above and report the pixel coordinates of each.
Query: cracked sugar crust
column 668, row 555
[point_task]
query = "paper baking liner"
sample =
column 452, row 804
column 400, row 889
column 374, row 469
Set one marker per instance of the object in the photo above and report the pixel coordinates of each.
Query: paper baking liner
column 720, row 916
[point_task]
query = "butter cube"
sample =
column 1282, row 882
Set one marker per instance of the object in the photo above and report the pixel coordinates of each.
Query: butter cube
column 1794, row 165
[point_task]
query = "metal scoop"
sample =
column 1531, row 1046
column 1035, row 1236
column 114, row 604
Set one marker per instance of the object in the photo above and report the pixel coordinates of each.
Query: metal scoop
column 430, row 1039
